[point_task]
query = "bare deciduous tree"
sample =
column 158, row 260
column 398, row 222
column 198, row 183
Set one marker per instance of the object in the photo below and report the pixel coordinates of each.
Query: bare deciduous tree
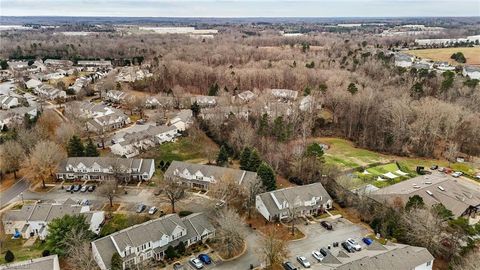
column 231, row 231
column 109, row 190
column 273, row 249
column 79, row 253
column 45, row 158
column 173, row 192
column 12, row 157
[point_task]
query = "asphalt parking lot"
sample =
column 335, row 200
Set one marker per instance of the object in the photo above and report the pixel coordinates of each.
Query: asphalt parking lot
column 318, row 237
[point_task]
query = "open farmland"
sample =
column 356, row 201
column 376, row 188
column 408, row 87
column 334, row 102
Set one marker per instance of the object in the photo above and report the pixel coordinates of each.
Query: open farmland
column 443, row 54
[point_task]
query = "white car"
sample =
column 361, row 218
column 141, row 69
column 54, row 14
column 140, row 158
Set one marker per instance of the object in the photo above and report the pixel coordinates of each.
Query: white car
column 317, row 255
column 152, row 210
column 303, row 261
column 354, row 244
column 196, row 263
column 457, row 174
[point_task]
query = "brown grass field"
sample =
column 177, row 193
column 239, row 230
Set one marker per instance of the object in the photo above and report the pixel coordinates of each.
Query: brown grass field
column 443, row 54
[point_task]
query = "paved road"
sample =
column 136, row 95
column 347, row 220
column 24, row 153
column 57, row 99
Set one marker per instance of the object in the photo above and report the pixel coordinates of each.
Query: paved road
column 12, row 192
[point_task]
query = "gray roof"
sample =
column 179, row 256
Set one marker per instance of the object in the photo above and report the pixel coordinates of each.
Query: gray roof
column 457, row 194
column 44, row 263
column 150, row 132
column 292, row 194
column 42, row 212
column 150, row 231
column 240, row 176
column 141, row 165
column 403, row 57
column 472, row 69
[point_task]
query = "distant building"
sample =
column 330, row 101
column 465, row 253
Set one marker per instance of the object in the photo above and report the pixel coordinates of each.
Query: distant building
column 403, row 60
column 116, row 96
column 8, row 102
column 33, row 220
column 458, row 195
column 203, row 176
column 182, row 120
column 104, row 168
column 103, row 118
column 302, row 200
column 33, row 83
column 205, row 101
column 149, row 240
column 246, row 96
column 43, row 263
column 16, row 115
column 94, row 63
column 472, row 72
column 58, row 63
column 49, row 92
column 284, row 94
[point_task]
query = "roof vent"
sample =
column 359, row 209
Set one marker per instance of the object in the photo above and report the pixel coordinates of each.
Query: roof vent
column 415, row 186
column 429, row 193
column 441, row 188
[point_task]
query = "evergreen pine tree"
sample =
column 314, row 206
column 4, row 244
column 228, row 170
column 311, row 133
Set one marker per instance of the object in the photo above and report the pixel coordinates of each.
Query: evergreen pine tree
column 75, row 147
column 266, row 174
column 195, row 109
column 352, row 88
column 222, row 157
column 91, row 150
column 254, row 161
column 263, row 126
column 9, row 257
column 245, row 158
column 116, row 263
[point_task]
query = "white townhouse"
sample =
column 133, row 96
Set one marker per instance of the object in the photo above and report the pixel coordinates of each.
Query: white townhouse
column 403, row 60
column 301, row 200
column 246, row 96
column 116, row 96
column 130, row 144
column 284, row 94
column 104, row 168
column 43, row 263
column 102, row 118
column 33, row 220
column 16, row 115
column 49, row 92
column 149, row 240
column 8, row 102
column 202, row 176
column 33, row 83
column 472, row 72
column 204, row 101
column 182, row 120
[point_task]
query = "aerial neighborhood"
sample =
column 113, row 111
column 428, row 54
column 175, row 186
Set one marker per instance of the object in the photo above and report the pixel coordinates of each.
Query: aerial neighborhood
column 251, row 143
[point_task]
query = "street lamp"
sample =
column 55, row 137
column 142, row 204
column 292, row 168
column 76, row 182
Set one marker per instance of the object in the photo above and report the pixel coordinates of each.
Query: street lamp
column 21, row 196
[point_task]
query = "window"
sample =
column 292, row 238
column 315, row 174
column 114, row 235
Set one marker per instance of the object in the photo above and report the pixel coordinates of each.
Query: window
column 429, row 263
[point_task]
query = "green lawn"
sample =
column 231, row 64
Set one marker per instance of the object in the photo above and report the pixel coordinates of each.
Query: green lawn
column 183, row 149
column 121, row 221
column 21, row 253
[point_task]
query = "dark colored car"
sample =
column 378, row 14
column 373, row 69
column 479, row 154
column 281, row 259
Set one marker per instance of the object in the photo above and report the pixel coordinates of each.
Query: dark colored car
column 367, row 241
column 205, row 258
column 327, row 225
column 141, row 207
column 324, row 251
column 347, row 247
column 434, row 167
column 289, row 266
column 76, row 188
column 91, row 188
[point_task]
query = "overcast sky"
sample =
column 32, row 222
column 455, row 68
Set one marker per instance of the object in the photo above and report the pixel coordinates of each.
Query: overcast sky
column 240, row 8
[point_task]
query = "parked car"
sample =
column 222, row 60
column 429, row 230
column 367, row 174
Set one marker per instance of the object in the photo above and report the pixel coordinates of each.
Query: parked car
column 178, row 266
column 354, row 244
column 327, row 225
column 69, row 188
column 457, row 174
column 367, row 241
column 324, row 252
column 347, row 247
column 317, row 255
column 76, row 188
column 205, row 258
column 141, row 207
column 303, row 261
column 85, row 202
column 196, row 263
column 152, row 210
column 477, row 176
column 434, row 167
column 91, row 188
column 84, row 189
column 289, row 266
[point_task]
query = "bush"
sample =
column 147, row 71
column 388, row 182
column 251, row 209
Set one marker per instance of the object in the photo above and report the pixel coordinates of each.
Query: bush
column 9, row 257
column 45, row 253
column 170, row 253
column 181, row 248
column 184, row 213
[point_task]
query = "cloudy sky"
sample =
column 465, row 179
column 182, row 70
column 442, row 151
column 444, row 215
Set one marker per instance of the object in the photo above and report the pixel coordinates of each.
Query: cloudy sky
column 240, row 8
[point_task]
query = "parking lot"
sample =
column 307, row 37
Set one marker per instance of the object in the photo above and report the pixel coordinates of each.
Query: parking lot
column 318, row 237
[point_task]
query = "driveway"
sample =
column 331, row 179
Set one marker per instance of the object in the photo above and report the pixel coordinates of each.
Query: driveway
column 13, row 192
column 318, row 237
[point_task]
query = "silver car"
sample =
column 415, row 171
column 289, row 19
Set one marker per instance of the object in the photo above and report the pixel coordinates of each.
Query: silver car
column 317, row 255
column 303, row 261
column 196, row 263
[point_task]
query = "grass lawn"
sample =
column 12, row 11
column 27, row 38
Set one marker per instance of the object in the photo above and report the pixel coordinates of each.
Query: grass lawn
column 185, row 148
column 444, row 54
column 119, row 222
column 21, row 253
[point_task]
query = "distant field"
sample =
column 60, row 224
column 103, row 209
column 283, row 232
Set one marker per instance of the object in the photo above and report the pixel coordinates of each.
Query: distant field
column 443, row 54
